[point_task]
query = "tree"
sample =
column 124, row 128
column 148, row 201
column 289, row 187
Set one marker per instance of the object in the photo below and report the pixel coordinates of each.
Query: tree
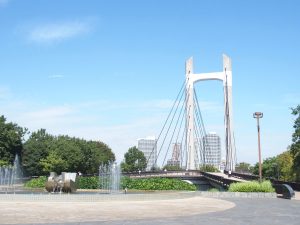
column 36, row 148
column 267, row 167
column 243, row 167
column 172, row 167
column 53, row 163
column 295, row 147
column 11, row 137
column 44, row 153
column 208, row 168
column 134, row 160
column 284, row 166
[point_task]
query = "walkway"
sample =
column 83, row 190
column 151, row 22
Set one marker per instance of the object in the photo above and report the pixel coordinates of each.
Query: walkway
column 187, row 210
column 227, row 177
column 74, row 212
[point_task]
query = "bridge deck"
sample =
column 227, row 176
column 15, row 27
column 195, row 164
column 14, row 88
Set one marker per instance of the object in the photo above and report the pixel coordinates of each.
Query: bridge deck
column 228, row 177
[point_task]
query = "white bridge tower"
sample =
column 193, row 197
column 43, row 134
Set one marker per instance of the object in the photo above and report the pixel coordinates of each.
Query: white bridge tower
column 226, row 77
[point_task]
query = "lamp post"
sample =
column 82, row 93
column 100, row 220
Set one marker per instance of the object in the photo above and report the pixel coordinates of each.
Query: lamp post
column 258, row 115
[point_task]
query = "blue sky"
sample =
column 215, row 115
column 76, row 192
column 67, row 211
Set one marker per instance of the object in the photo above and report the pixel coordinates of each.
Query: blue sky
column 110, row 70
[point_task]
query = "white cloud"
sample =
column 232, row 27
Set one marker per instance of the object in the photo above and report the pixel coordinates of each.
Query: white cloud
column 55, row 32
column 3, row 2
column 55, row 76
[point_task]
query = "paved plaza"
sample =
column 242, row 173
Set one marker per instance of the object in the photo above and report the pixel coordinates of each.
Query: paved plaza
column 187, row 210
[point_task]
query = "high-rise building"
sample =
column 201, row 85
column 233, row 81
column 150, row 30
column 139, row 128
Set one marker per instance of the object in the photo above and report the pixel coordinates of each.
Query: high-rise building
column 212, row 149
column 175, row 160
column 149, row 148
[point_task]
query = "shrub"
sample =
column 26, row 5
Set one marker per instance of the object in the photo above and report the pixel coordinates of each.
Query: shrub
column 253, row 186
column 157, row 184
column 208, row 168
column 88, row 183
column 36, row 182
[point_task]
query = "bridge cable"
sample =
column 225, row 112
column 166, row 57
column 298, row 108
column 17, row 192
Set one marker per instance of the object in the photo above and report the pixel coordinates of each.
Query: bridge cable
column 168, row 128
column 181, row 110
column 182, row 86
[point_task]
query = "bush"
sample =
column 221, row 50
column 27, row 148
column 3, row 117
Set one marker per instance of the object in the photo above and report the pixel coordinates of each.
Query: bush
column 208, row 168
column 157, row 184
column 36, row 182
column 138, row 184
column 88, row 183
column 253, row 186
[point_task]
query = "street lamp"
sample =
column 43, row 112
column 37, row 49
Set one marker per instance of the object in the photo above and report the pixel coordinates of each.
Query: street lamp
column 258, row 115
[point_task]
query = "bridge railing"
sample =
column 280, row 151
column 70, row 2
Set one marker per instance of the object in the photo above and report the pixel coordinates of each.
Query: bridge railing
column 243, row 176
column 182, row 173
column 294, row 185
column 225, row 182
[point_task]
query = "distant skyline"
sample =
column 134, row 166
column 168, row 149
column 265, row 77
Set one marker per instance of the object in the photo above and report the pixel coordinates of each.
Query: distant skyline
column 110, row 70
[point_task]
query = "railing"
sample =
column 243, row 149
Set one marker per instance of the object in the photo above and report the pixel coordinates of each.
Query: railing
column 294, row 185
column 244, row 176
column 183, row 173
column 225, row 182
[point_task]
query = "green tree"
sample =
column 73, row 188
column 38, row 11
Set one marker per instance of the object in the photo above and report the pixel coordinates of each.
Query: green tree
column 134, row 160
column 53, row 163
column 36, row 148
column 94, row 153
column 172, row 167
column 208, row 168
column 44, row 153
column 243, row 167
column 295, row 147
column 69, row 151
column 284, row 166
column 11, row 137
column 267, row 167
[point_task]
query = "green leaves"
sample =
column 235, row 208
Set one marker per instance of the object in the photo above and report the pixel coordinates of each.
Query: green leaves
column 88, row 183
column 44, row 153
column 134, row 160
column 53, row 162
column 36, row 182
column 295, row 147
column 11, row 136
column 157, row 184
column 208, row 168
column 253, row 186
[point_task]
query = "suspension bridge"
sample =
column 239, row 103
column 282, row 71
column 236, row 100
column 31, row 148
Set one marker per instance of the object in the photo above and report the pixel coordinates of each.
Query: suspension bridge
column 183, row 133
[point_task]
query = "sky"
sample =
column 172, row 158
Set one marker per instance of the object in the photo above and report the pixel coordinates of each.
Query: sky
column 110, row 70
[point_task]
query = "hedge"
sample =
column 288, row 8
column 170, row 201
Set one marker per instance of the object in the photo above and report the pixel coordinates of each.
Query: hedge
column 129, row 183
column 253, row 186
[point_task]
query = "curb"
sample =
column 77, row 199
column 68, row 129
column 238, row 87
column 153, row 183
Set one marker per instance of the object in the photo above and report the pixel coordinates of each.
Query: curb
column 237, row 194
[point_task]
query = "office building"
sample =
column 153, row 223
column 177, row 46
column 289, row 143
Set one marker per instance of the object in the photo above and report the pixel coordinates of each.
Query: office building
column 149, row 148
column 212, row 149
column 176, row 155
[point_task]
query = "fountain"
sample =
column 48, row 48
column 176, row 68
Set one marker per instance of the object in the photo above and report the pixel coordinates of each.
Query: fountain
column 10, row 176
column 109, row 178
column 66, row 182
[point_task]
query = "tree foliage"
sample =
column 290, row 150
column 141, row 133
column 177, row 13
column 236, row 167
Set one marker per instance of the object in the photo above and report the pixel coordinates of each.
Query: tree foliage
column 284, row 166
column 172, row 168
column 134, row 160
column 11, row 137
column 267, row 167
column 277, row 167
column 295, row 147
column 37, row 147
column 208, row 168
column 243, row 167
column 44, row 153
column 157, row 184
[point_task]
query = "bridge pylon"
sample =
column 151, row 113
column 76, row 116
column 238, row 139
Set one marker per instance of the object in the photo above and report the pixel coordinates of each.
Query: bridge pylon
column 191, row 78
